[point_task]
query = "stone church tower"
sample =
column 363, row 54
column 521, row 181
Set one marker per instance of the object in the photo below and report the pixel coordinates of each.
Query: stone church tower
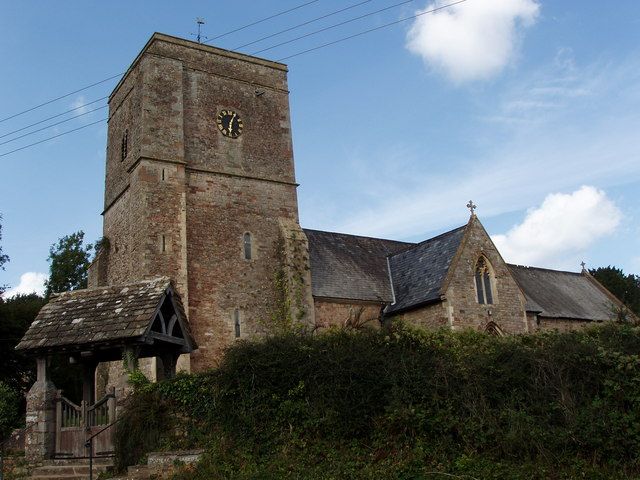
column 200, row 187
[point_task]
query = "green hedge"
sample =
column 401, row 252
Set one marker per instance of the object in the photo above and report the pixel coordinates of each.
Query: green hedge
column 437, row 400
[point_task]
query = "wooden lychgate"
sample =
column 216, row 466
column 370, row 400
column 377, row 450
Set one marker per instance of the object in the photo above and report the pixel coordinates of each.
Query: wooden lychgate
column 76, row 423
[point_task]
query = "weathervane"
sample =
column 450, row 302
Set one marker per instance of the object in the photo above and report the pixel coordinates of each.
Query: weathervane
column 199, row 36
column 471, row 206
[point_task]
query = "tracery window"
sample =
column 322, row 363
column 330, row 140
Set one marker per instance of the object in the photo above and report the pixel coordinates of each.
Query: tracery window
column 247, row 246
column 484, row 282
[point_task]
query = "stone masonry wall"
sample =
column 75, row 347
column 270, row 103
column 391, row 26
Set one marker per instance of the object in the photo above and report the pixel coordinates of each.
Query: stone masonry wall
column 125, row 114
column 508, row 309
column 221, row 210
column 340, row 314
column 564, row 324
column 432, row 316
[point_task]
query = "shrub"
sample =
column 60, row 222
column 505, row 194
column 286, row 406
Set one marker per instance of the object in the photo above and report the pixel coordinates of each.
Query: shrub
column 425, row 397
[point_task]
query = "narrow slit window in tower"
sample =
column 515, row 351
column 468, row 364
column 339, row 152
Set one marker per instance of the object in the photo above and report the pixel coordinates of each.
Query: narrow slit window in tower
column 236, row 322
column 125, row 145
column 247, row 246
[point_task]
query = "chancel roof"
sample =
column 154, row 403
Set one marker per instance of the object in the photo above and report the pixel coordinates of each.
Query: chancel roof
column 363, row 268
column 351, row 267
column 112, row 315
column 558, row 294
column 419, row 272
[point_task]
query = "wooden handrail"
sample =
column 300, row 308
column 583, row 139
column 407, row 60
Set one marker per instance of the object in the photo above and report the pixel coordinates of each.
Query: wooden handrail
column 101, row 402
column 67, row 401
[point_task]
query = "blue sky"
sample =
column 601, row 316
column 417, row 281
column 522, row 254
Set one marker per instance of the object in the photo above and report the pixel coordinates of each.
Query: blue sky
column 530, row 108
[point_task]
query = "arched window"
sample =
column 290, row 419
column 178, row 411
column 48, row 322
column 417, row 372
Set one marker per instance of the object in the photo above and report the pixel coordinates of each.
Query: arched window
column 493, row 329
column 247, row 246
column 484, row 282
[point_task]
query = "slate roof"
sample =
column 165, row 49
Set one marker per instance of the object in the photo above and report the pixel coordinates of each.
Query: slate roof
column 558, row 294
column 96, row 316
column 349, row 266
column 418, row 272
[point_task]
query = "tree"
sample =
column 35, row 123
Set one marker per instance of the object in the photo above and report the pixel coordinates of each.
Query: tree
column 3, row 257
column 625, row 287
column 69, row 260
column 9, row 404
column 16, row 314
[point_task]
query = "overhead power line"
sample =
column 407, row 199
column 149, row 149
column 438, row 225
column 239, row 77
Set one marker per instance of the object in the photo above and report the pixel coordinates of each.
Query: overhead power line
column 335, row 25
column 260, row 21
column 53, row 116
column 442, row 7
column 370, row 30
column 53, row 125
column 51, row 138
column 66, row 95
column 330, row 14
column 59, row 98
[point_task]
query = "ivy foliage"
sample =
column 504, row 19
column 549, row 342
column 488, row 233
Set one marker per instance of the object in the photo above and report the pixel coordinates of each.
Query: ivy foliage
column 353, row 405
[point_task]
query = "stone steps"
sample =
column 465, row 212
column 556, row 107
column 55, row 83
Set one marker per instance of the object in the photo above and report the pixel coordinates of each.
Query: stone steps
column 161, row 465
column 70, row 469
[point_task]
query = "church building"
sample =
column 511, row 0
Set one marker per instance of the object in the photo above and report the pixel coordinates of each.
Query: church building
column 202, row 243
column 202, row 247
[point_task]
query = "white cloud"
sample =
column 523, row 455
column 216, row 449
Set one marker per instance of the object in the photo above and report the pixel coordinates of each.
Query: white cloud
column 563, row 226
column 587, row 137
column 472, row 40
column 79, row 104
column 30, row 282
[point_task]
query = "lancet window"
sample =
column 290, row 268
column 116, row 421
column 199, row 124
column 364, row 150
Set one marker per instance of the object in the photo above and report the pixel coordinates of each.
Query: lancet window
column 484, row 282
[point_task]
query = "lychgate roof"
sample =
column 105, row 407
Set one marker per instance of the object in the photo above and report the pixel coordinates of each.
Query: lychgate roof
column 558, row 294
column 418, row 272
column 349, row 266
column 113, row 315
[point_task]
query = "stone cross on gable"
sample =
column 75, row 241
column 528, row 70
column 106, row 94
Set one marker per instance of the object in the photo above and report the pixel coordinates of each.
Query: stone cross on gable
column 471, row 207
column 583, row 264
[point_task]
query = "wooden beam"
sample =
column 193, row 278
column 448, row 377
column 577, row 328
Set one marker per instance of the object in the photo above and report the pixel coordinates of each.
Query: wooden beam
column 168, row 338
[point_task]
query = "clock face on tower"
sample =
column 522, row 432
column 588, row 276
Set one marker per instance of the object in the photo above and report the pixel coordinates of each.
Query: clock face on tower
column 229, row 123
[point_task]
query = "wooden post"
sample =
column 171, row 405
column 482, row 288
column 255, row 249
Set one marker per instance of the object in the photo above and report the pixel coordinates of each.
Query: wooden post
column 83, row 415
column 88, row 382
column 58, row 419
column 169, row 361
